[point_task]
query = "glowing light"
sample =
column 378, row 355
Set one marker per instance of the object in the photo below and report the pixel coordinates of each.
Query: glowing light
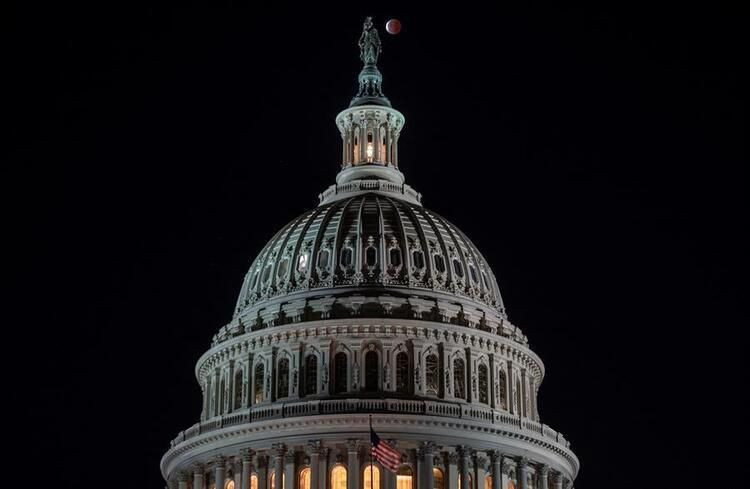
column 370, row 151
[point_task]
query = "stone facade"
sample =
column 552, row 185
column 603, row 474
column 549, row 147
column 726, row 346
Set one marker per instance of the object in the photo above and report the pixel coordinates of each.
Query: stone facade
column 369, row 308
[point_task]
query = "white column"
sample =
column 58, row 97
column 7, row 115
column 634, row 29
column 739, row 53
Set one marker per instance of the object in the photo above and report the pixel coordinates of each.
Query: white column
column 543, row 473
column 496, row 460
column 313, row 448
column 247, row 467
column 237, row 471
column 428, row 449
column 522, row 469
column 480, row 472
column 219, row 472
column 452, row 475
column 197, row 476
column 288, row 470
column 262, row 472
column 278, row 449
column 352, row 473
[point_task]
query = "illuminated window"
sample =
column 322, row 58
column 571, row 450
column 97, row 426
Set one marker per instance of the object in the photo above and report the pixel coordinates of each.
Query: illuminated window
column 459, row 379
column 311, row 375
column 432, row 374
column 484, row 384
column 304, row 478
column 282, row 379
column 338, row 477
column 258, row 383
column 437, row 478
column 254, row 481
column 229, row 484
column 376, row 479
column 404, row 477
column 402, row 372
column 302, row 263
column 488, row 482
column 511, row 485
column 471, row 481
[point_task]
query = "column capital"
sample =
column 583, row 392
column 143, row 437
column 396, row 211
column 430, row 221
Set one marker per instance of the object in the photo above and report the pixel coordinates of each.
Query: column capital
column 352, row 445
column 314, row 446
column 247, row 454
column 218, row 461
column 464, row 451
column 453, row 458
column 262, row 461
column 496, row 456
column 428, row 447
column 278, row 449
column 197, row 468
column 183, row 476
column 522, row 462
column 542, row 469
column 289, row 457
column 481, row 462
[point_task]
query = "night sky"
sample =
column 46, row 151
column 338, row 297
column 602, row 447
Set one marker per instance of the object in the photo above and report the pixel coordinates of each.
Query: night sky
column 595, row 156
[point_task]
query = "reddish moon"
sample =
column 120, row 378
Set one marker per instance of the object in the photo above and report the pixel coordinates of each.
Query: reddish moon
column 393, row 26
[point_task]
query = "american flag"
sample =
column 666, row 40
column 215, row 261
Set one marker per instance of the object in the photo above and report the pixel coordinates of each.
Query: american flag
column 383, row 453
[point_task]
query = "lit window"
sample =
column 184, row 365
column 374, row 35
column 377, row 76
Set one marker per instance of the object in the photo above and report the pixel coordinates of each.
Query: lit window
column 437, row 478
column 302, row 263
column 488, row 482
column 338, row 477
column 304, row 478
column 404, row 477
column 229, row 484
column 376, row 481
column 273, row 480
column 254, row 481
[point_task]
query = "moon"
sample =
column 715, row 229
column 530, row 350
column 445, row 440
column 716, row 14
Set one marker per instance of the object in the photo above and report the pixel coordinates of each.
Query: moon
column 393, row 26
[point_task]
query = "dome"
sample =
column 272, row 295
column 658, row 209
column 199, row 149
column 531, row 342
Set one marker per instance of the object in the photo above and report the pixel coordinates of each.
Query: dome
column 375, row 253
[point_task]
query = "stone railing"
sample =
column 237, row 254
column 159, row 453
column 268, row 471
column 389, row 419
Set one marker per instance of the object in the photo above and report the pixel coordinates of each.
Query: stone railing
column 395, row 406
column 335, row 191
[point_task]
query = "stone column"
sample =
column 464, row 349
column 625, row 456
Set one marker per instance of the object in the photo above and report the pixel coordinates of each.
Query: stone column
column 262, row 472
column 522, row 469
column 427, row 454
column 237, row 471
column 352, row 473
column 558, row 481
column 480, row 471
column 289, row 460
column 182, row 480
column 323, row 479
column 542, row 474
column 197, row 476
column 451, row 478
column 246, row 456
column 313, row 448
column 388, row 477
column 219, row 472
column 496, row 461
column 277, row 450
column 463, row 467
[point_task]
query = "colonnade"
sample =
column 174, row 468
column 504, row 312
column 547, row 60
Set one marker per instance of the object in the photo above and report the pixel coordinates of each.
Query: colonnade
column 428, row 466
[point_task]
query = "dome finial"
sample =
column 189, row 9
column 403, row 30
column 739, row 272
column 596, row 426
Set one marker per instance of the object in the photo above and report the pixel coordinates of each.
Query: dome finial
column 370, row 78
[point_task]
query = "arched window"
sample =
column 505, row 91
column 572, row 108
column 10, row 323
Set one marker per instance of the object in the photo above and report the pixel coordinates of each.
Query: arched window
column 338, row 477
column 282, row 378
column 484, row 383
column 511, row 485
column 323, row 256
column 238, row 389
column 304, row 478
column 473, row 274
column 369, row 471
column 457, row 268
column 439, row 263
column 404, row 478
column 402, row 372
column 371, row 371
column 311, row 375
column 502, row 386
column 222, row 394
column 340, row 373
column 272, row 480
column 302, row 262
column 283, row 268
column 371, row 256
column 266, row 274
column 518, row 397
column 347, row 257
column 417, row 257
column 459, row 379
column 229, row 484
column 471, row 481
column 488, row 482
column 258, row 383
column 394, row 255
column 437, row 478
column 432, row 374
column 254, row 282
column 253, row 481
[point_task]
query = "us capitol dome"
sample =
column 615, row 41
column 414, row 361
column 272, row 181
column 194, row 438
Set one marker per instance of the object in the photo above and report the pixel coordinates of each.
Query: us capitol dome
column 367, row 309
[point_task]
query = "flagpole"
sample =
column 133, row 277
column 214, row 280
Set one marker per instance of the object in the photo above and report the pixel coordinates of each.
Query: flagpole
column 372, row 474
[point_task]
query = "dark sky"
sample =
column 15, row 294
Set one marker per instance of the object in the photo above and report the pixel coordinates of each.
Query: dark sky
column 595, row 156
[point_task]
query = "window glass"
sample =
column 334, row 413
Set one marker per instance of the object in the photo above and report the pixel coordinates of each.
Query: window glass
column 282, row 378
column 338, row 477
column 440, row 263
column 372, row 470
column 311, row 375
column 418, row 259
column 404, row 477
